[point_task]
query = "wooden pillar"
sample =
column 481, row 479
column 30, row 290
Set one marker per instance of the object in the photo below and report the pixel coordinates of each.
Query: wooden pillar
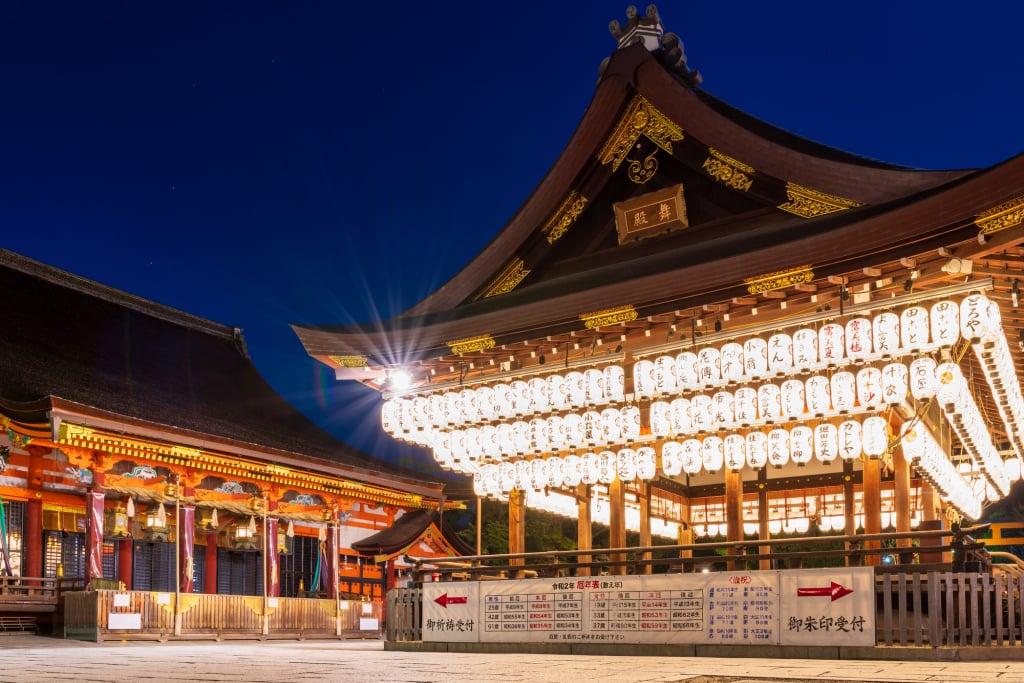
column 872, row 498
column 210, row 571
column 516, row 524
column 125, row 550
column 849, row 518
column 931, row 503
column 645, row 524
column 584, row 527
column 34, row 515
column 617, row 523
column 901, row 499
column 764, row 534
column 734, row 512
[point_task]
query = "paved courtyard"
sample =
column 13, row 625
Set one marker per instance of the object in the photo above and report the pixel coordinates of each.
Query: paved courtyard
column 25, row 659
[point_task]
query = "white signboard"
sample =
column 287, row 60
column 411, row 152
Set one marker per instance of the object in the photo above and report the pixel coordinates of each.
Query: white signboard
column 828, row 606
column 124, row 620
column 451, row 611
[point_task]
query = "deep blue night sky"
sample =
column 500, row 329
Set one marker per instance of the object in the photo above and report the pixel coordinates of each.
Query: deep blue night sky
column 260, row 164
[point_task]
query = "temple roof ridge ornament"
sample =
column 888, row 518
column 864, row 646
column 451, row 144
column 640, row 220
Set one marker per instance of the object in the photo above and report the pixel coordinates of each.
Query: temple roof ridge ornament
column 650, row 32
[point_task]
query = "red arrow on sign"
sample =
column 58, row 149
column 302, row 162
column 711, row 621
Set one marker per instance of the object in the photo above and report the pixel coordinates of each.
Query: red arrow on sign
column 445, row 600
column 835, row 591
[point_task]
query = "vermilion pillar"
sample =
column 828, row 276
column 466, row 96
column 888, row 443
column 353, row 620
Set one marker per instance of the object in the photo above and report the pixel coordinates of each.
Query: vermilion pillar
column 125, row 550
column 210, row 571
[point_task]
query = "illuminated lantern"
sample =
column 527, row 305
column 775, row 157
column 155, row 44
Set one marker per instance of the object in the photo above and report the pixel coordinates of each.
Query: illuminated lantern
column 489, row 441
column 661, row 418
column 539, row 395
column 700, row 412
column 540, row 473
column 858, row 339
column 686, row 371
column 735, row 452
column 780, row 353
column 626, row 464
column 593, row 384
column 875, row 436
column 646, row 463
column 458, row 446
column 769, row 402
column 844, row 391
column 792, row 392
column 945, row 323
column 977, row 322
column 914, row 440
column 732, row 362
column 572, row 470
column 491, row 476
column 522, row 398
column 606, row 467
column 722, row 414
column 506, row 439
column 895, row 383
column 643, row 379
column 745, row 406
column 524, row 475
column 819, row 395
column 575, row 390
column 421, row 412
column 914, row 329
column 850, row 440
column 778, row 447
column 681, row 422
column 712, row 453
column 443, row 449
column 831, row 343
column 869, row 388
column 801, row 444
column 709, row 366
column 885, row 330
column 1012, row 467
column 755, row 358
column 406, row 418
column 665, row 375
column 485, row 403
column 539, row 435
column 949, row 383
column 389, row 416
column 691, row 456
column 671, row 458
column 573, row 425
column 630, row 423
column 826, row 442
column 757, row 449
column 470, row 406
column 506, row 476
column 558, row 397
column 592, row 428
column 615, row 383
column 502, row 401
column 589, row 468
column 611, row 425
column 474, row 443
column 556, row 472
column 922, row 378
column 521, row 436
column 557, row 440
column 805, row 349
column 436, row 409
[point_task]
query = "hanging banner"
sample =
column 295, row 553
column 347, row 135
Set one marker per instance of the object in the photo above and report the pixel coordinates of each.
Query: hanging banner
column 94, row 536
column 186, row 546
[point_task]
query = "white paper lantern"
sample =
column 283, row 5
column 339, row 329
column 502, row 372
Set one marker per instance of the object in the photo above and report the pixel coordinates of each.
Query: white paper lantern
column 646, row 463
column 491, row 477
column 572, row 423
column 615, row 383
column 732, row 362
column 522, row 398
column 700, row 412
column 485, row 403
column 691, row 456
column 792, row 393
column 557, row 440
column 913, row 440
column 589, row 468
column 443, row 449
column 682, row 423
column 458, row 446
column 735, row 452
column 665, row 375
column 506, row 439
column 858, row 339
column 780, row 353
column 769, row 402
column 436, row 409
column 869, row 388
column 539, row 396
column 831, row 344
column 556, row 472
column 722, row 410
column 626, row 464
column 421, row 412
column 539, row 467
column 914, row 329
column 976, row 318
column 844, row 391
column 644, row 382
column 778, row 447
column 819, row 395
column 630, row 423
column 850, row 440
column 524, row 475
column 805, row 349
column 489, row 441
column 885, row 331
column 712, row 453
column 875, row 436
column 506, row 476
column 826, row 442
column 709, row 366
column 686, row 371
column 801, row 444
column 745, row 406
column 671, row 458
column 945, row 323
column 611, row 425
column 474, row 443
column 895, row 383
column 470, row 406
column 522, row 437
column 1012, row 467
column 502, row 401
column 949, row 383
column 389, row 416
column 575, row 389
column 572, row 470
column 757, row 449
column 661, row 418
column 922, row 378
column 755, row 358
column 592, row 428
column 606, row 467
column 558, row 395
column 539, row 442
column 593, row 383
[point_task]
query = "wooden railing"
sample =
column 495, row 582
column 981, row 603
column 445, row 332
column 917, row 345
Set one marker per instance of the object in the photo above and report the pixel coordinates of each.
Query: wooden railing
column 27, row 590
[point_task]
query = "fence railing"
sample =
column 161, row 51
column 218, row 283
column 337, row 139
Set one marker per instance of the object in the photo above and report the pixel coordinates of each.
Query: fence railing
column 24, row 589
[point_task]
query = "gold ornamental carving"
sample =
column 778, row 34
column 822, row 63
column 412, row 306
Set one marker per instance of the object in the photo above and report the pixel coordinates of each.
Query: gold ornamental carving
column 508, row 279
column 728, row 171
column 470, row 344
column 808, row 203
column 73, row 432
column 563, row 217
column 349, row 361
column 1006, row 215
column 186, row 452
column 779, row 279
column 608, row 316
column 641, row 118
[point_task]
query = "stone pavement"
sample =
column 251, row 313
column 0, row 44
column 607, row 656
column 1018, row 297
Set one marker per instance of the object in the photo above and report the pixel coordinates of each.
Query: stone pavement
column 26, row 659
